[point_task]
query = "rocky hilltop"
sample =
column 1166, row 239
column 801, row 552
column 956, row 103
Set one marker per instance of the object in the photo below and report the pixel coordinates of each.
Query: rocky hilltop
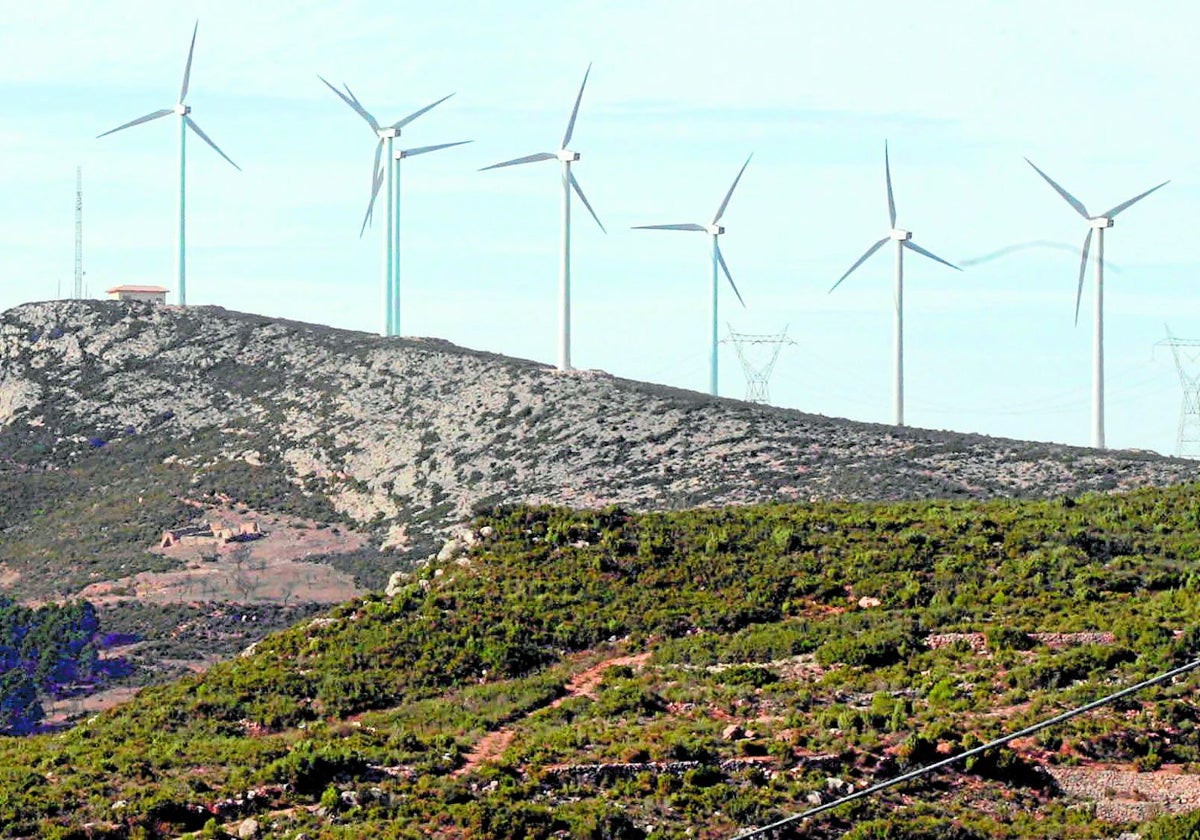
column 413, row 433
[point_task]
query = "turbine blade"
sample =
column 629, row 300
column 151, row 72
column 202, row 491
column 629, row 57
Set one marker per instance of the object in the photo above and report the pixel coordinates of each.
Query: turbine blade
column 375, row 172
column 191, row 123
column 669, row 227
column 586, row 203
column 401, row 123
column 887, row 169
column 353, row 102
column 187, row 69
column 420, row 150
column 860, row 261
column 728, row 276
column 376, row 183
column 913, row 246
column 728, row 195
column 1087, row 245
column 526, row 159
column 575, row 110
column 362, row 111
column 1070, row 199
column 1126, row 204
column 164, row 112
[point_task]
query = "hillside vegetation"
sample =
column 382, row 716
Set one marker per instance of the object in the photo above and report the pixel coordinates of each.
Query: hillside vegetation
column 119, row 421
column 687, row 674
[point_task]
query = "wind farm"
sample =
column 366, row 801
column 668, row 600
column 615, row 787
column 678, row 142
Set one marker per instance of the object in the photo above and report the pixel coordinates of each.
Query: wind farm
column 614, row 310
column 468, row 523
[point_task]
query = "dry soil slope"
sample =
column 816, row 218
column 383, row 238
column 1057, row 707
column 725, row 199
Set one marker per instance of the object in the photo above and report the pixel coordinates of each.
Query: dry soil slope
column 394, row 430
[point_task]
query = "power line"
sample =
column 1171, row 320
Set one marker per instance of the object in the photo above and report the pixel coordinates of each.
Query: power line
column 998, row 742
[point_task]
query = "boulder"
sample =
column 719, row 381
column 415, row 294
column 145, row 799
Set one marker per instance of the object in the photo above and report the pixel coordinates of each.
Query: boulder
column 395, row 583
column 450, row 551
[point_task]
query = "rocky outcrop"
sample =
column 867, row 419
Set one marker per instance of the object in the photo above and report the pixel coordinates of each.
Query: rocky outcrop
column 415, row 432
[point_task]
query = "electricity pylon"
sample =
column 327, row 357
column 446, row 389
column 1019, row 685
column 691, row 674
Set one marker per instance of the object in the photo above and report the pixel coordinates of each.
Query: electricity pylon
column 78, row 290
column 1187, row 361
column 757, row 364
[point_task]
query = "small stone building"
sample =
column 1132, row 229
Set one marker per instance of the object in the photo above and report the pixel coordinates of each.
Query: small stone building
column 210, row 534
column 147, row 294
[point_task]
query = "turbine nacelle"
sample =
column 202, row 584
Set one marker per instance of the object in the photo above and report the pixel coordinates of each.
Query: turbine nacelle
column 385, row 133
column 899, row 234
column 182, row 110
column 1100, row 222
column 715, row 230
column 567, row 155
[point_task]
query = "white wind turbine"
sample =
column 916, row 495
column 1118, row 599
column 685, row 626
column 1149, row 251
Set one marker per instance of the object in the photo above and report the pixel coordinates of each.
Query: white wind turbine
column 714, row 230
column 903, row 239
column 1096, row 225
column 389, row 174
column 185, row 122
column 567, row 157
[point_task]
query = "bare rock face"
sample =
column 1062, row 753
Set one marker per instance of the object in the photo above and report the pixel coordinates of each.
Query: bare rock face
column 412, row 434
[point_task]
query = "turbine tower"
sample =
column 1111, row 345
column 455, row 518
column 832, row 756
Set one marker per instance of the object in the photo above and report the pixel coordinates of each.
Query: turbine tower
column 185, row 122
column 388, row 174
column 566, row 157
column 1096, row 225
column 714, row 230
column 1186, row 352
column 903, row 239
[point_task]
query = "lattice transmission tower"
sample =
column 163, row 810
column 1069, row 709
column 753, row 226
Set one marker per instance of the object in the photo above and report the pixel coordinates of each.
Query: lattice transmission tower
column 1187, row 361
column 78, row 232
column 758, row 355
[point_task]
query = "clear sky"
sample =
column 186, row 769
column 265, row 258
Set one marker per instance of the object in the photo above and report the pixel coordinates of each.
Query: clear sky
column 1100, row 94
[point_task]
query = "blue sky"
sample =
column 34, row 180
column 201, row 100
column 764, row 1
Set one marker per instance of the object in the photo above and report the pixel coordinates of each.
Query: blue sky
column 1098, row 94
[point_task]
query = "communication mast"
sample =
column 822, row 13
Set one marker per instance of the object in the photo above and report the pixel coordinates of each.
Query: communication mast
column 1187, row 361
column 758, row 355
column 78, row 232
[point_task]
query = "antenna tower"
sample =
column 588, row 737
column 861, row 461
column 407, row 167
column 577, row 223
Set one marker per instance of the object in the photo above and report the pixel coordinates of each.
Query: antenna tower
column 78, row 231
column 758, row 355
column 1187, row 361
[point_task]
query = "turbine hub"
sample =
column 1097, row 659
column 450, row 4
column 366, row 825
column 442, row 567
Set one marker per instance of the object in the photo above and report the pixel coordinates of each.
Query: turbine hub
column 567, row 155
column 182, row 109
column 899, row 234
column 715, row 230
column 389, row 132
column 1100, row 222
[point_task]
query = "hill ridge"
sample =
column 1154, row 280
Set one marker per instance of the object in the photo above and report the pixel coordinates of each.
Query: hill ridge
column 416, row 433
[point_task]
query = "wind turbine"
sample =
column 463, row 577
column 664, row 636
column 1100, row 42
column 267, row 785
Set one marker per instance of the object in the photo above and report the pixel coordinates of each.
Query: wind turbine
column 388, row 174
column 1096, row 225
column 567, row 157
column 903, row 239
column 185, row 122
column 714, row 230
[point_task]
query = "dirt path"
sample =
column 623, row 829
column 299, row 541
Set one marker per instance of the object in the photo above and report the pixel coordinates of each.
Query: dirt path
column 584, row 684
